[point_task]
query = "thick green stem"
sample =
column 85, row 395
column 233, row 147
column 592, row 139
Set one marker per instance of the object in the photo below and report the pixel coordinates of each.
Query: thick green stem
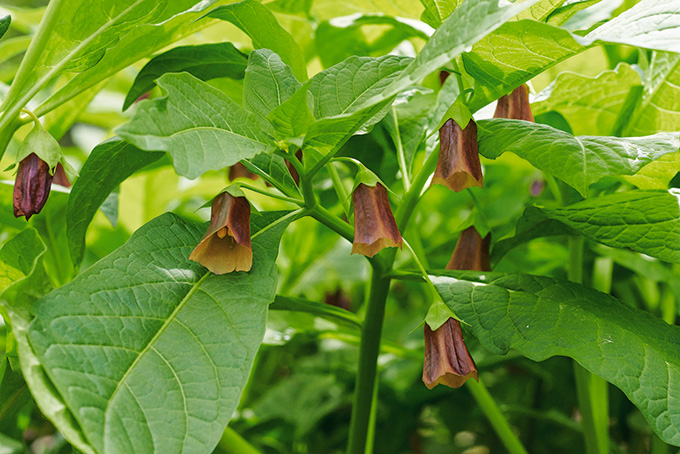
column 368, row 358
column 500, row 424
column 592, row 391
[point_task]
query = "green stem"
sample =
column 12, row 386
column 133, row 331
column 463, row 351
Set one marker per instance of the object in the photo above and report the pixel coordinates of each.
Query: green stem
column 334, row 223
column 233, row 443
column 500, row 424
column 412, row 196
column 339, row 187
column 368, row 358
column 400, row 152
column 35, row 49
column 269, row 194
column 592, row 391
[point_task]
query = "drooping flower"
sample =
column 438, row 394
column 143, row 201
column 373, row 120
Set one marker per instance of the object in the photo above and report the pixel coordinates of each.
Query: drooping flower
column 32, row 186
column 458, row 166
column 238, row 170
column 60, row 176
column 447, row 360
column 374, row 224
column 471, row 253
column 293, row 171
column 515, row 106
column 226, row 246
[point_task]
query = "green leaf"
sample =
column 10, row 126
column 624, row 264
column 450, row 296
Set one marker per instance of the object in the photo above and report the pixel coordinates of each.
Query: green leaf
column 542, row 317
column 273, row 169
column 23, row 281
column 518, row 51
column 345, row 88
column 205, row 61
column 198, row 125
column 258, row 22
column 644, row 221
column 95, row 39
column 292, row 118
column 657, row 174
column 578, row 161
column 268, row 83
column 566, row 11
column 436, row 11
column 339, row 39
column 590, row 105
column 659, row 111
column 407, row 123
column 512, row 55
column 468, row 24
column 650, row 24
column 108, row 165
column 328, row 134
column 4, row 24
column 540, row 11
column 158, row 349
column 328, row 9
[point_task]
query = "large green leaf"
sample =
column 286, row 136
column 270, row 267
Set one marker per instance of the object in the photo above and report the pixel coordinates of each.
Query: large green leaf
column 256, row 20
column 344, row 88
column 108, row 165
column 23, row 281
column 468, row 23
column 660, row 110
column 273, row 168
column 590, row 105
column 542, row 317
column 205, row 61
column 644, row 221
column 198, row 125
column 151, row 351
column 518, row 51
column 268, row 83
column 578, row 161
column 94, row 40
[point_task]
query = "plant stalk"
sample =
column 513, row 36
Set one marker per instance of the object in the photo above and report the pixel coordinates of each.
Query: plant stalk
column 499, row 422
column 368, row 358
column 592, row 391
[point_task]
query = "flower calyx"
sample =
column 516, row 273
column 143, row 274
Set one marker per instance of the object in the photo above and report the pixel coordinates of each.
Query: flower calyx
column 226, row 245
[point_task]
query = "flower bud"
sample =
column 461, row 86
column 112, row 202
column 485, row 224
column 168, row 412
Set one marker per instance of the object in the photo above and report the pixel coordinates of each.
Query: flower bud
column 32, row 186
column 458, row 166
column 226, row 247
column 374, row 224
column 515, row 106
column 447, row 360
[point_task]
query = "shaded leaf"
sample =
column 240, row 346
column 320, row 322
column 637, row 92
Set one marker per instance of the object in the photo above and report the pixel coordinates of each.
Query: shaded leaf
column 542, row 317
column 4, row 24
column 108, row 165
column 205, row 61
